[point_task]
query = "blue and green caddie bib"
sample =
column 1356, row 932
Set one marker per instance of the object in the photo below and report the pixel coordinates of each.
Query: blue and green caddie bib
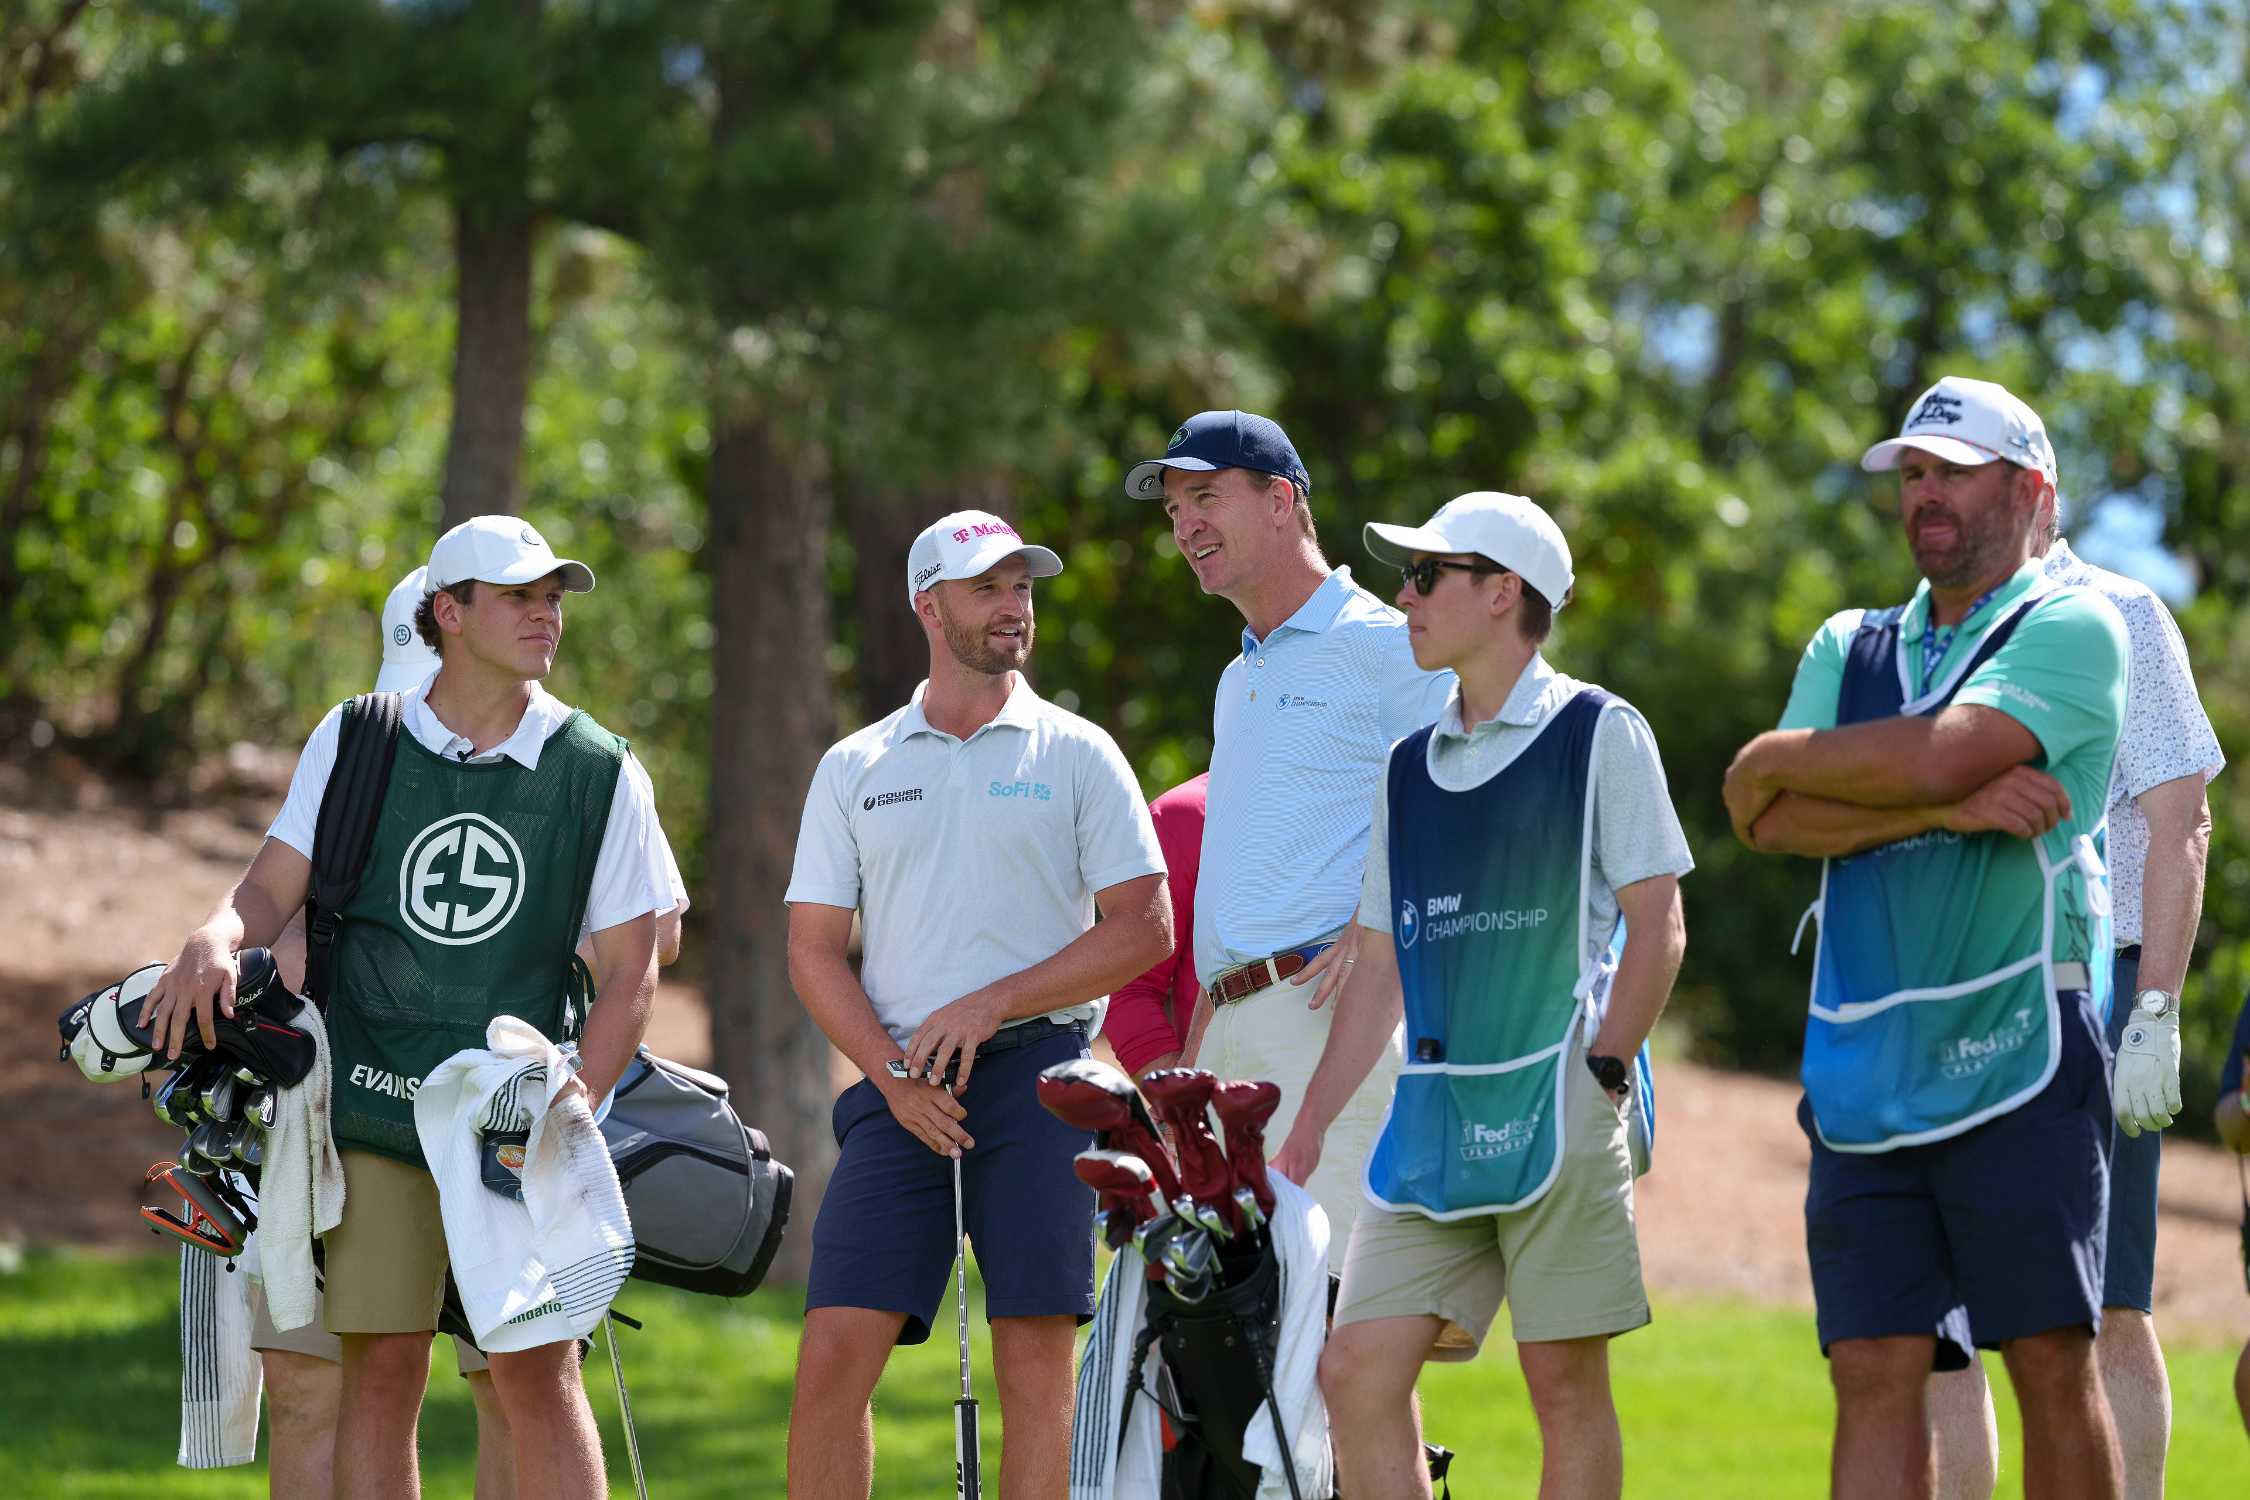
column 1490, row 931
column 1933, row 1002
column 469, row 908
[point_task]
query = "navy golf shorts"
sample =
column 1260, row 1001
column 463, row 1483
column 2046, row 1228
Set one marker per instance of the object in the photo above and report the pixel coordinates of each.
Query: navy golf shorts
column 1993, row 1235
column 2129, row 1279
column 884, row 1235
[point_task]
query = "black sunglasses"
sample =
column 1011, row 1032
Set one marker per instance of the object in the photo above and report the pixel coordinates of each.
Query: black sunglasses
column 1424, row 574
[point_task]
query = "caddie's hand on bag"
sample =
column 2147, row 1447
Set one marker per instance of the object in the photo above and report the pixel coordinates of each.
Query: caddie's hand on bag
column 2146, row 1086
column 201, row 977
column 929, row 1112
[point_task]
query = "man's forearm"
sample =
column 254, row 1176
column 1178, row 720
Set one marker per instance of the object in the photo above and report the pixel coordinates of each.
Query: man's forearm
column 2179, row 830
column 1822, row 828
column 1107, row 955
column 1907, row 761
column 833, row 996
column 624, row 994
column 1367, row 1013
column 1643, row 984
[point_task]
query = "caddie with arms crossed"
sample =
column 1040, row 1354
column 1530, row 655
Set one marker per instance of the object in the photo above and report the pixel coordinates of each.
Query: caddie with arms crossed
column 2159, row 836
column 512, row 827
column 1949, row 761
column 975, row 831
column 1508, row 839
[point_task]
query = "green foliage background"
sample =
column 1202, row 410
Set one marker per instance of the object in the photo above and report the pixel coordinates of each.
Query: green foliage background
column 1665, row 267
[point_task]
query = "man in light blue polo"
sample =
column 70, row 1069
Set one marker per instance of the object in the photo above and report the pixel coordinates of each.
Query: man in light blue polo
column 1949, row 760
column 974, row 832
column 1324, row 685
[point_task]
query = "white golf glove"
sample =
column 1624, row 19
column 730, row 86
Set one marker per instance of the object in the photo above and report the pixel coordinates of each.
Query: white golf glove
column 2145, row 1090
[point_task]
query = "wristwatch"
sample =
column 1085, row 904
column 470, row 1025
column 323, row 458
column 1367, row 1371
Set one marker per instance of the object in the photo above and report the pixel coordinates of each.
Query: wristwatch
column 2155, row 1005
column 1609, row 1072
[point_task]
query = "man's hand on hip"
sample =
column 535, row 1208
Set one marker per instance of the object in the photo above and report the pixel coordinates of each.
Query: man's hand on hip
column 2146, row 1087
column 963, row 1026
column 1331, row 966
column 929, row 1112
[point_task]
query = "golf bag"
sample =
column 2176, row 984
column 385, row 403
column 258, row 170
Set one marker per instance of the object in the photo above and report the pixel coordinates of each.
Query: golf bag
column 707, row 1199
column 1219, row 1355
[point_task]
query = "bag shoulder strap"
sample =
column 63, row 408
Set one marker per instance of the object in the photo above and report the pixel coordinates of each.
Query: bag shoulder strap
column 344, row 835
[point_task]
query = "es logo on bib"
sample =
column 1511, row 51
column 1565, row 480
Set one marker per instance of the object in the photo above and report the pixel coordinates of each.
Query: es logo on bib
column 461, row 881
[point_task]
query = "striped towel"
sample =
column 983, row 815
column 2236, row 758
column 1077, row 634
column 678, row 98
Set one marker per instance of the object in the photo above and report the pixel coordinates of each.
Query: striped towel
column 220, row 1374
column 544, row 1269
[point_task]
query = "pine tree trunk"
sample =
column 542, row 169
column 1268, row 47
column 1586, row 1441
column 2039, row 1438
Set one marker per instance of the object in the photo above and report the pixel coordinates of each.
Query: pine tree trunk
column 491, row 358
column 771, row 718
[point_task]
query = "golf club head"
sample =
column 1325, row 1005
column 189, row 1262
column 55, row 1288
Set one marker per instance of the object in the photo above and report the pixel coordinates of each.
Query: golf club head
column 204, row 1220
column 1247, row 1205
column 251, row 1152
column 259, row 1108
column 1182, row 1097
column 1093, row 1072
column 221, row 1095
column 1189, row 1260
column 178, row 1101
column 1244, row 1107
column 207, row 1148
column 1090, row 1095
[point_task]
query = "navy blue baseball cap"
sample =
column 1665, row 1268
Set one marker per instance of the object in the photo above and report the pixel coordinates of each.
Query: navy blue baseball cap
column 1221, row 440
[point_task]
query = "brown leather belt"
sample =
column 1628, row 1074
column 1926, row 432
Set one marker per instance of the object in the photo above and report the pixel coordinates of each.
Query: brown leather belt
column 1237, row 984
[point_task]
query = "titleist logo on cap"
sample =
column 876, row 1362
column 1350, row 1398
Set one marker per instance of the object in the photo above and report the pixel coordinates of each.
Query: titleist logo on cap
column 924, row 575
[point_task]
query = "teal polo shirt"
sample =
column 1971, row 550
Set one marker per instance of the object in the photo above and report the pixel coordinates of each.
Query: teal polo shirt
column 2062, row 675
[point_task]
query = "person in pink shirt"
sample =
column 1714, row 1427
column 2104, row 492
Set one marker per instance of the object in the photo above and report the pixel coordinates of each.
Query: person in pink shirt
column 1150, row 1019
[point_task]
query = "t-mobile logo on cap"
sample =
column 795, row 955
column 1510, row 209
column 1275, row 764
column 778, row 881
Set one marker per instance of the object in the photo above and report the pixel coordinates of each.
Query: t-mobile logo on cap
column 1936, row 410
column 984, row 528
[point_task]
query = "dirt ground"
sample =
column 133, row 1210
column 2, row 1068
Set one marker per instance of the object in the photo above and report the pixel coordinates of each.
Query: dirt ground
column 92, row 887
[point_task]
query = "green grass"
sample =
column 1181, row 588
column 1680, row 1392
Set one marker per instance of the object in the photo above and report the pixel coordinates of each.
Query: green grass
column 1718, row 1400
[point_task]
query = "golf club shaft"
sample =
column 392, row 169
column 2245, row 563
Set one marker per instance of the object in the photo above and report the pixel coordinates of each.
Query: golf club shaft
column 625, row 1410
column 967, row 1482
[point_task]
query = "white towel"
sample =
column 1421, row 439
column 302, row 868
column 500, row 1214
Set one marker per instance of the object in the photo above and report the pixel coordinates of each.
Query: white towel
column 1103, row 1469
column 544, row 1269
column 220, row 1374
column 301, row 1191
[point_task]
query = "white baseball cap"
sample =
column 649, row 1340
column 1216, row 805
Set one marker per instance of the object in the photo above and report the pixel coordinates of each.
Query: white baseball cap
column 1507, row 529
column 500, row 549
column 1971, row 422
column 406, row 661
column 967, row 544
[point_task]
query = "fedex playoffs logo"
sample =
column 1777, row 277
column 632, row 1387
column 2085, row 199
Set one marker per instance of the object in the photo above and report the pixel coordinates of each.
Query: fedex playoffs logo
column 984, row 528
column 461, row 881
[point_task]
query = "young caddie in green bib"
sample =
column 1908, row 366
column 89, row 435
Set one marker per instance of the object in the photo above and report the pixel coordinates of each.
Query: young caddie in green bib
column 1513, row 842
column 511, row 827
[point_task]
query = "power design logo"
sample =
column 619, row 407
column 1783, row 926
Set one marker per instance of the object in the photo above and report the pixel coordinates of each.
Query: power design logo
column 461, row 881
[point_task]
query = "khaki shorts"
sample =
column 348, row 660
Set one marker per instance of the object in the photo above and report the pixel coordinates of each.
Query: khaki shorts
column 313, row 1340
column 1568, row 1266
column 385, row 1263
column 1268, row 1034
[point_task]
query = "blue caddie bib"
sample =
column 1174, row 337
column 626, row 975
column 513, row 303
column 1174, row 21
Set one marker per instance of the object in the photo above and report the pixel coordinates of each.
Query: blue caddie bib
column 1928, row 1016
column 1490, row 932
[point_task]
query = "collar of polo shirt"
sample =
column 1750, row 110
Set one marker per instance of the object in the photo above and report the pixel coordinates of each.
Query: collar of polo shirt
column 1316, row 614
column 1021, row 711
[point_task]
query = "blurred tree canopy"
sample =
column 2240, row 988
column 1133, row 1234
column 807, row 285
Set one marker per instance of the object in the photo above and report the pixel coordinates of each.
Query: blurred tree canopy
column 798, row 279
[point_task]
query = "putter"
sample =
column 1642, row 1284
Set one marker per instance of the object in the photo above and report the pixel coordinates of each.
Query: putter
column 625, row 1408
column 1182, row 1096
column 967, row 1485
column 1243, row 1108
column 1088, row 1094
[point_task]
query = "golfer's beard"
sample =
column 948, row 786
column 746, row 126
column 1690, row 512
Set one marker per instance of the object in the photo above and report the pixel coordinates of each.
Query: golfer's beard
column 972, row 650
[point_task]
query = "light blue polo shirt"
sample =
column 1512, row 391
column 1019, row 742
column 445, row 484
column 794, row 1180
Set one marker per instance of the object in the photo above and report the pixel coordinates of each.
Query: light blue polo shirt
column 1304, row 722
column 969, row 860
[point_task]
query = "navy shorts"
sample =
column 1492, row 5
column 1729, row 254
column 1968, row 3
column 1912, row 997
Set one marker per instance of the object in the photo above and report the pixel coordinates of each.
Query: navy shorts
column 1991, row 1236
column 2129, row 1279
column 884, row 1235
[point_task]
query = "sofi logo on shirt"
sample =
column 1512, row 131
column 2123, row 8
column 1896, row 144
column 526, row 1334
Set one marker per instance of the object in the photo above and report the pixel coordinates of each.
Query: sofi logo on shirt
column 1037, row 791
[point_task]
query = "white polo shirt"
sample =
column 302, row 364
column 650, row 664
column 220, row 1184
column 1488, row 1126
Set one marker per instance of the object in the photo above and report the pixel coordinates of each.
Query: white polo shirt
column 969, row 860
column 633, row 872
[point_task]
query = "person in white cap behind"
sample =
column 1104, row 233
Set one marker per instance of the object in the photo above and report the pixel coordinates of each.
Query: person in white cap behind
column 1948, row 760
column 512, row 828
column 974, row 832
column 1510, row 837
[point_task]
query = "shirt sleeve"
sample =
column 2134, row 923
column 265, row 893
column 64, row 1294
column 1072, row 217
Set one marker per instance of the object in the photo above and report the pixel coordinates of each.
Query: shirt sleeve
column 629, row 876
column 826, row 869
column 2230, row 1072
column 2167, row 734
column 1410, row 697
column 1820, row 674
column 1137, row 1026
column 2061, row 675
column 1116, row 840
column 1637, row 834
column 294, row 825
column 1375, row 884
